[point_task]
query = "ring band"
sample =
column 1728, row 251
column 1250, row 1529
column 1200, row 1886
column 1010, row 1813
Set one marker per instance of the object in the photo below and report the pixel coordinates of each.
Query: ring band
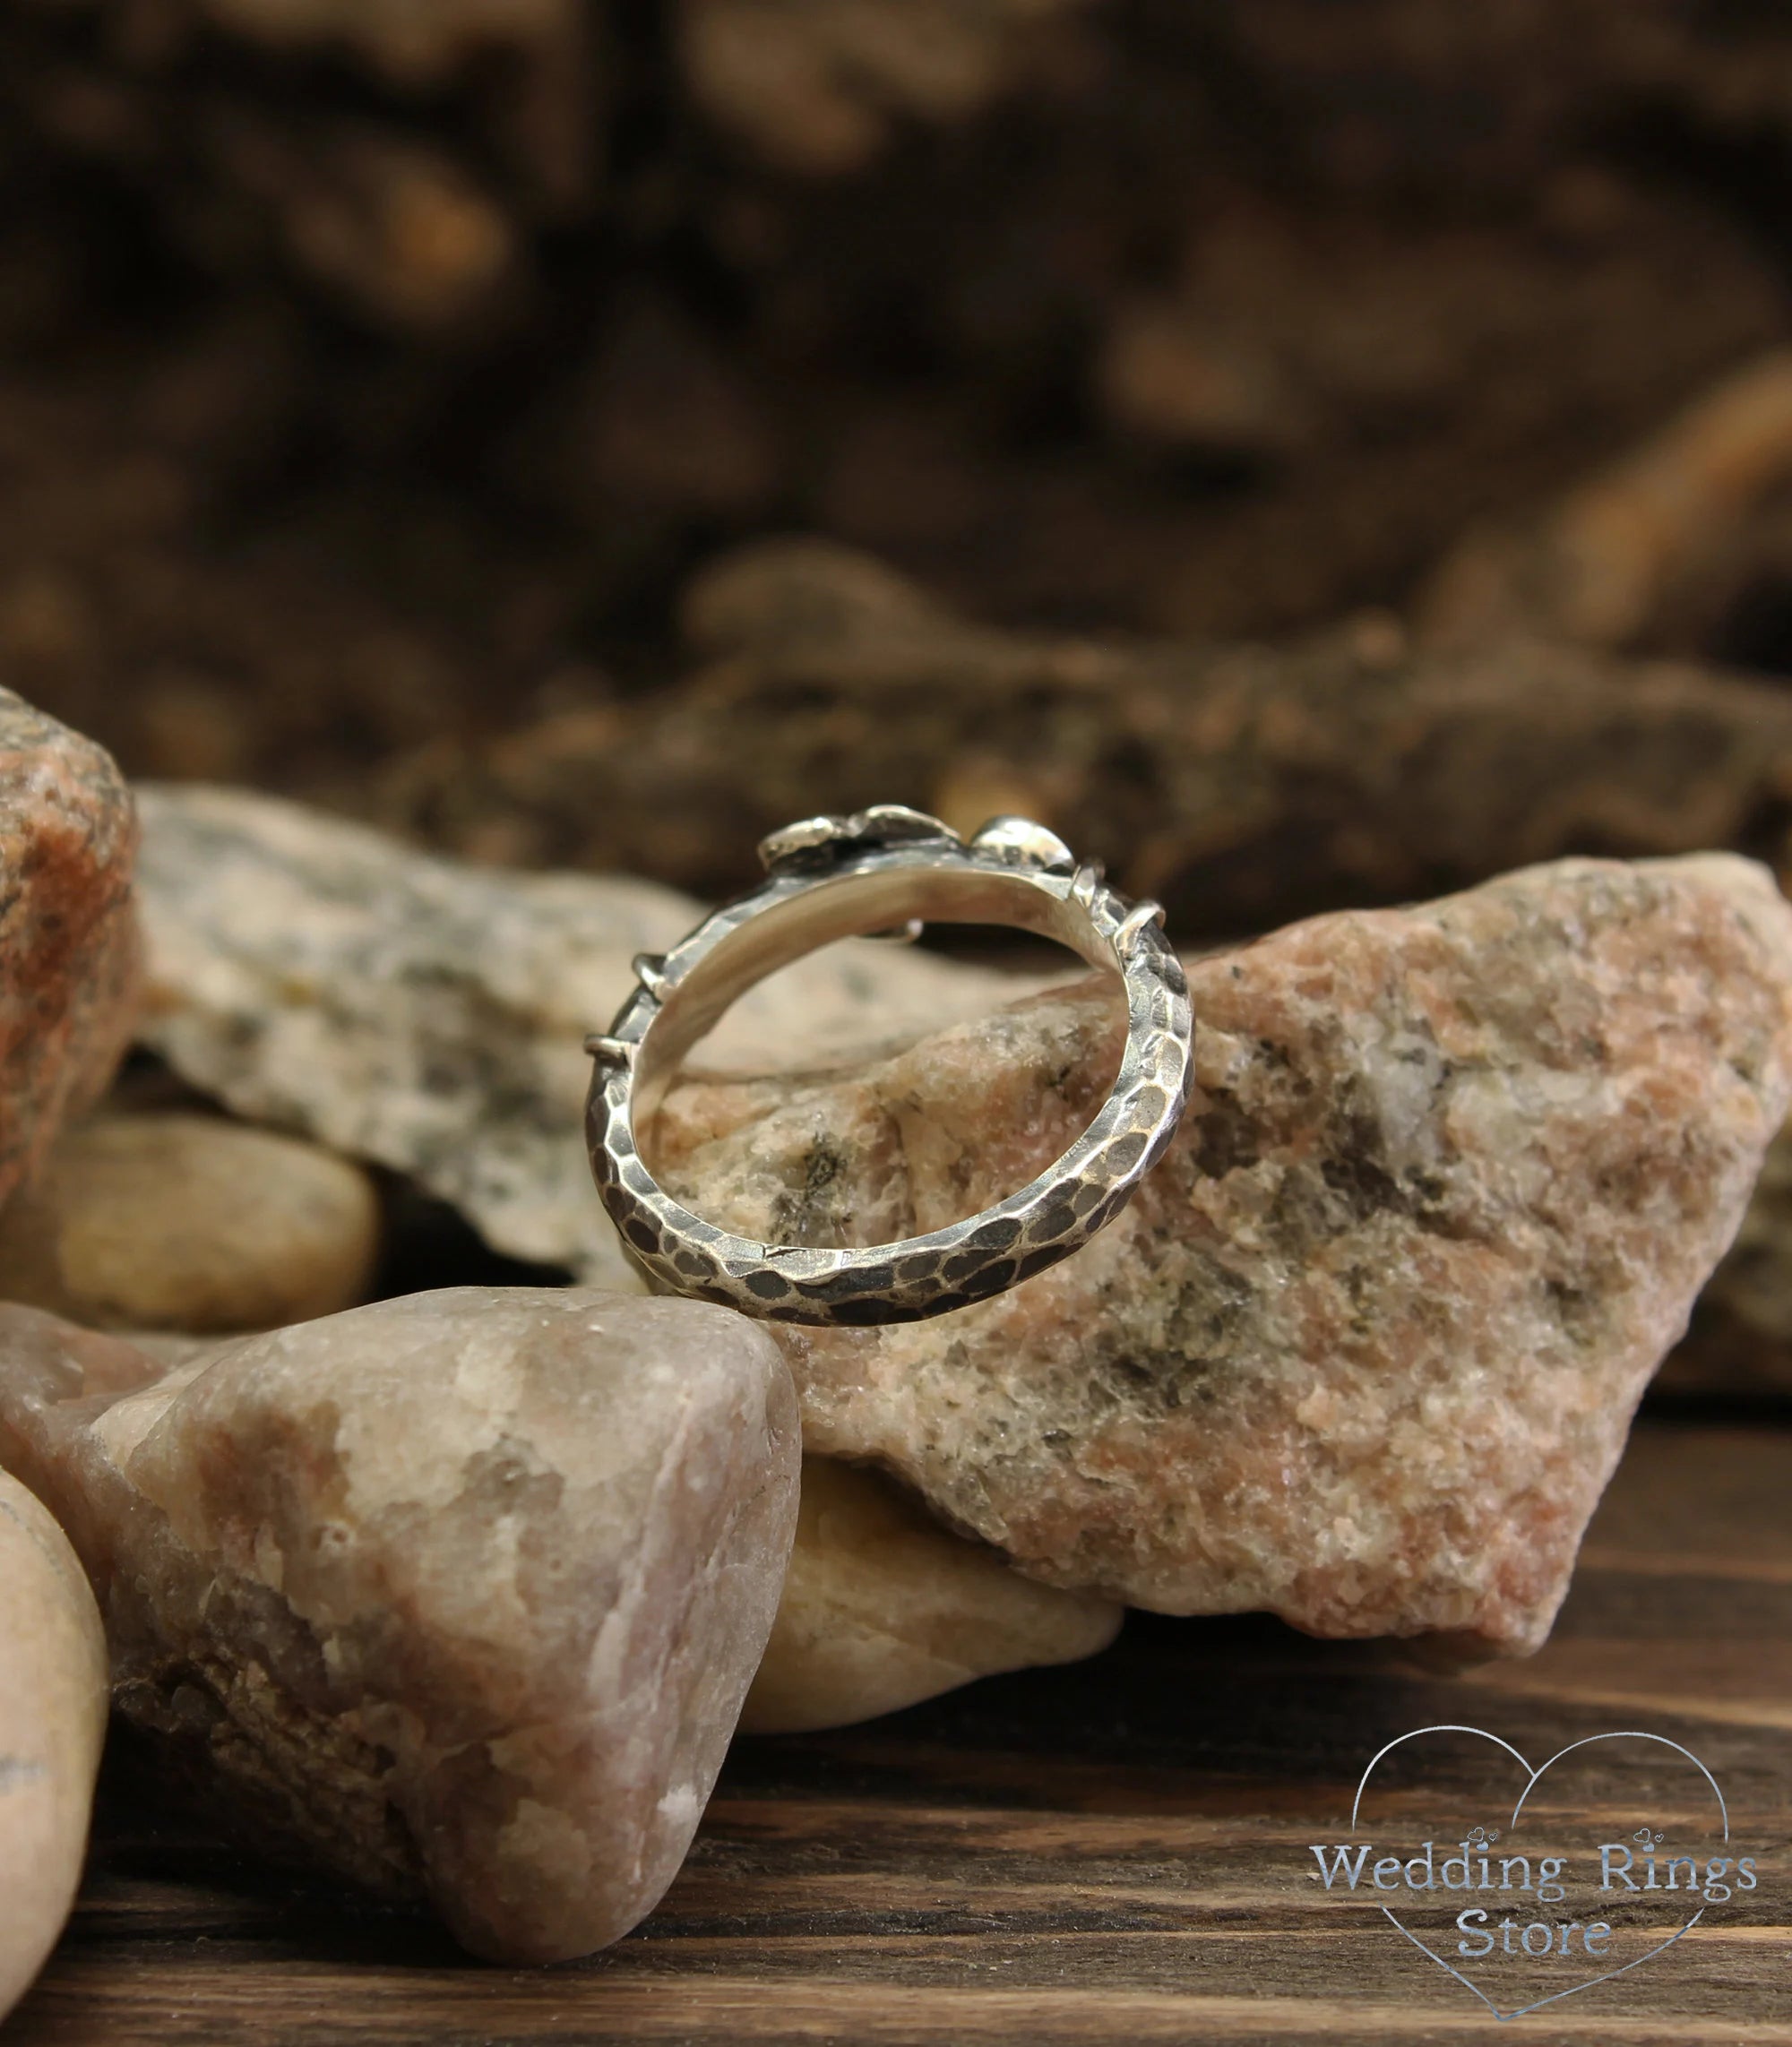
column 832, row 877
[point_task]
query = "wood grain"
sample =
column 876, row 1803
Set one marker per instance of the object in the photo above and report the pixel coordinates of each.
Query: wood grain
column 1107, row 1852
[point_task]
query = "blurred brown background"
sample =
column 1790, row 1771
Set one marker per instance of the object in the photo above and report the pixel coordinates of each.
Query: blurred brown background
column 1284, row 403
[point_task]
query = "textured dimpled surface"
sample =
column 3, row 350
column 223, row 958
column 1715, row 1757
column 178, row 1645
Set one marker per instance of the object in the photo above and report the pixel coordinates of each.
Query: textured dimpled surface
column 969, row 1260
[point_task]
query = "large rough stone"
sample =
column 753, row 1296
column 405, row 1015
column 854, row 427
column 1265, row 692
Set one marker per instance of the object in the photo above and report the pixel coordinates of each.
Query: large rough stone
column 53, row 1699
column 1364, row 1349
column 458, row 1594
column 171, row 1221
column 881, row 1607
column 68, row 944
column 431, row 1016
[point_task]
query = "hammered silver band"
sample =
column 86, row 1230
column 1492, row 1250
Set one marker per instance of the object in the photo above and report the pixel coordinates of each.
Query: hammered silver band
column 830, row 878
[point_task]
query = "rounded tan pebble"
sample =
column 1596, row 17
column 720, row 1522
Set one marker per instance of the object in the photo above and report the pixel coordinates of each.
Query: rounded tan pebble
column 186, row 1222
column 70, row 952
column 883, row 1607
column 53, row 1703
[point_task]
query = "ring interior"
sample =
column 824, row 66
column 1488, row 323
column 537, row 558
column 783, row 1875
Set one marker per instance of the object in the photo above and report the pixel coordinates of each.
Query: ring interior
column 846, row 907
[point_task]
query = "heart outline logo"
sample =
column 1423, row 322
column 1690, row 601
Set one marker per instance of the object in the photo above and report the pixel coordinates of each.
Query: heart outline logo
column 1532, row 1777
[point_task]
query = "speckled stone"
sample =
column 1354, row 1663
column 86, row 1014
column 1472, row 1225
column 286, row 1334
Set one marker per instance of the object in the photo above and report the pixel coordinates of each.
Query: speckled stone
column 69, row 954
column 430, row 1016
column 190, row 1223
column 883, row 1607
column 457, row 1595
column 1364, row 1350
column 53, row 1701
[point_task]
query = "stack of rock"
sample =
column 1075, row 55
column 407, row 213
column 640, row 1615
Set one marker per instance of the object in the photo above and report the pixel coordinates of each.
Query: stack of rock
column 462, row 1591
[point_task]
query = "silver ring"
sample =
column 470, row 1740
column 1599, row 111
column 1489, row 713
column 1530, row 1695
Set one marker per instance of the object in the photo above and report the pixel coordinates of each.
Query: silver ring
column 835, row 877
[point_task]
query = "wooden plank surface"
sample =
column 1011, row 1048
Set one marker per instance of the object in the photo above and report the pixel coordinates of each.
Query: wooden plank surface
column 1116, row 1851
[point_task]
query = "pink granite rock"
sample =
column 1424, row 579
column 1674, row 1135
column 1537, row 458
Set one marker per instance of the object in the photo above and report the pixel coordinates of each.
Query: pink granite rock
column 458, row 1595
column 1364, row 1349
column 68, row 942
